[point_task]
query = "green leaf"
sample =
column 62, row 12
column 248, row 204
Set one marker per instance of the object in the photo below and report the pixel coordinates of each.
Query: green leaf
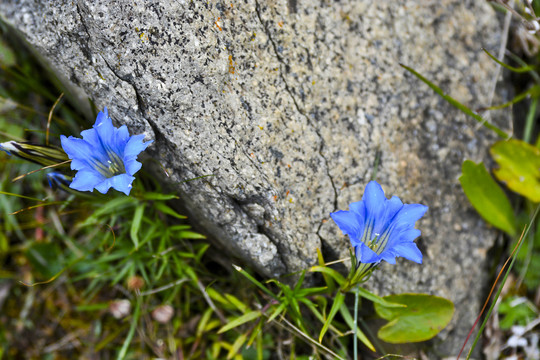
column 236, row 303
column 158, row 196
column 205, row 319
column 277, row 311
column 327, row 279
column 240, row 340
column 254, row 281
column 519, row 167
column 190, row 235
column 302, row 293
column 456, row 103
column 331, row 272
column 338, row 300
column 423, row 318
column 167, row 210
column 113, row 206
column 487, row 197
column 511, row 68
column 377, row 299
column 136, row 224
column 516, row 311
column 252, row 315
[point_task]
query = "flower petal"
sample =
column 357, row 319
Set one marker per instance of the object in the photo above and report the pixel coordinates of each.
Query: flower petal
column 391, row 208
column 374, row 199
column 120, row 182
column 381, row 228
column 105, row 157
column 347, row 222
column 86, row 180
column 409, row 251
column 410, row 213
column 79, row 151
column 389, row 257
column 365, row 255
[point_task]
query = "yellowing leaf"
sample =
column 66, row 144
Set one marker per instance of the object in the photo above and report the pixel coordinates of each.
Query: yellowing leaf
column 519, row 167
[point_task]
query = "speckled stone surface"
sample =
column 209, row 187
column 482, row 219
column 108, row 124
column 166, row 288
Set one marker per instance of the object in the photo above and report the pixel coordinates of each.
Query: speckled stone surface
column 289, row 105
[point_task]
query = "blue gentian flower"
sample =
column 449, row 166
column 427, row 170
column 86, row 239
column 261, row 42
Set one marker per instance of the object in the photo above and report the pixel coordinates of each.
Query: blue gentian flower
column 105, row 157
column 58, row 180
column 381, row 228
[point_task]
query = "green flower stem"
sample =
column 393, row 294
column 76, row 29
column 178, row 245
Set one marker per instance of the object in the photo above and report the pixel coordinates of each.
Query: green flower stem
column 355, row 344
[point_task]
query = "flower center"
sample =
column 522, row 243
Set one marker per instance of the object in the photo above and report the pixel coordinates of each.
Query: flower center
column 112, row 166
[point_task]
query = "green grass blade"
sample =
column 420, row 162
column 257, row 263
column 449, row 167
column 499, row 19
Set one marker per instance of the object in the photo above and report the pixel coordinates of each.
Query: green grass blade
column 240, row 340
column 511, row 68
column 328, row 271
column 377, row 299
column 344, row 311
column 132, row 328
column 532, row 92
column 338, row 301
column 255, row 281
column 136, row 225
column 252, row 315
column 327, row 279
column 20, row 196
column 278, row 311
column 457, row 104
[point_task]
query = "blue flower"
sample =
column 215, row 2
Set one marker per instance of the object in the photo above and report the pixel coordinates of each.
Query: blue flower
column 105, row 157
column 381, row 228
column 58, row 180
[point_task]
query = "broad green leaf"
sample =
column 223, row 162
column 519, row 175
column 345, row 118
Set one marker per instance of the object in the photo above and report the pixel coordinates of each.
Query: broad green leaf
column 338, row 300
column 487, row 197
column 252, row 315
column 423, row 318
column 519, row 167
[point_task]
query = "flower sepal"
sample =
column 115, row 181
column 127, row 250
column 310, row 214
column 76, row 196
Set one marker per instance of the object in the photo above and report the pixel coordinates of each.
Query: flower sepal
column 358, row 274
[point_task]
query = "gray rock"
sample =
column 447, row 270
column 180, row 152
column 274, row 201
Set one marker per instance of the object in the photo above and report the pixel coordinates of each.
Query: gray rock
column 292, row 106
